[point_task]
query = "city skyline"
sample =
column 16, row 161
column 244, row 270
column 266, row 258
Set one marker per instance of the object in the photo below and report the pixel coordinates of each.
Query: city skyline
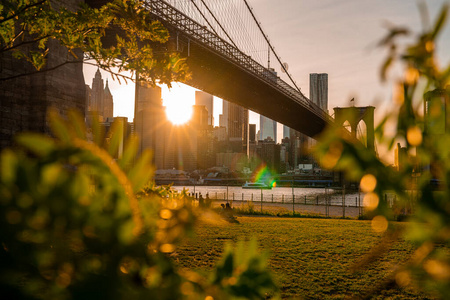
column 342, row 44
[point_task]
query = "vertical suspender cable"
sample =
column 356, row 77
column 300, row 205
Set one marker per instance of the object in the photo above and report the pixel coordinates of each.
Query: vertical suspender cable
column 220, row 25
column 198, row 9
column 270, row 45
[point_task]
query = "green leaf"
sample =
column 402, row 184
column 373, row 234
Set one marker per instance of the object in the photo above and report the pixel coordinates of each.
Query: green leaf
column 385, row 67
column 116, row 134
column 37, row 143
column 59, row 126
column 440, row 21
column 129, row 153
column 78, row 124
column 125, row 233
column 98, row 130
column 8, row 166
column 142, row 171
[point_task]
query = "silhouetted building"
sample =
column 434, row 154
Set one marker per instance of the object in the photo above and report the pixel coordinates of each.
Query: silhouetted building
column 147, row 96
column 252, row 132
column 220, row 133
column 151, row 123
column 318, row 89
column 203, row 98
column 237, row 127
column 318, row 94
column 232, row 161
column 285, row 154
column 269, row 152
column 299, row 148
column 222, row 122
column 99, row 99
column 200, row 117
column 206, row 157
column 223, row 118
column 286, row 131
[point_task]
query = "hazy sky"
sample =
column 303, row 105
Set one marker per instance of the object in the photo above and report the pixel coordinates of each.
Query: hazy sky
column 327, row 36
column 339, row 38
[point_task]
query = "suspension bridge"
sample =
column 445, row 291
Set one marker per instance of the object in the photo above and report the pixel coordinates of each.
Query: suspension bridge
column 230, row 57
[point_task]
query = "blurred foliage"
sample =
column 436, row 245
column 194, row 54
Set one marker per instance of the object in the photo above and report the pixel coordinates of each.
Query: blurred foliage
column 422, row 182
column 119, row 36
column 75, row 223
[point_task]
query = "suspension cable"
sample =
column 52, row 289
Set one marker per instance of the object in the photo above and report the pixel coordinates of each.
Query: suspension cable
column 270, row 45
column 204, row 17
column 220, row 25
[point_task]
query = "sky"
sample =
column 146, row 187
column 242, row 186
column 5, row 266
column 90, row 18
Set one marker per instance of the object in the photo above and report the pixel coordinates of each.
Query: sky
column 327, row 36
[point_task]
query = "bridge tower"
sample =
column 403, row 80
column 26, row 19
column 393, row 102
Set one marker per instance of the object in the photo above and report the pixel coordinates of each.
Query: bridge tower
column 354, row 115
column 25, row 97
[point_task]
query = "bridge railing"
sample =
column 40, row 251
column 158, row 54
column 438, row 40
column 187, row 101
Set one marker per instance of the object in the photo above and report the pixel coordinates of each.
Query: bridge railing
column 170, row 16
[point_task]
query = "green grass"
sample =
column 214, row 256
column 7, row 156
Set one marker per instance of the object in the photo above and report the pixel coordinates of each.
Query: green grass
column 310, row 258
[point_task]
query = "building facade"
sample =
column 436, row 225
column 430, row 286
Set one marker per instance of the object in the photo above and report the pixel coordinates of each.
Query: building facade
column 151, row 123
column 318, row 89
column 207, row 100
column 267, row 128
column 99, row 100
column 237, row 127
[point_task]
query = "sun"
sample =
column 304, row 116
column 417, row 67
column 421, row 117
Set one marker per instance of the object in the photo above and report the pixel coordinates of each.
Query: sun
column 178, row 113
column 178, row 102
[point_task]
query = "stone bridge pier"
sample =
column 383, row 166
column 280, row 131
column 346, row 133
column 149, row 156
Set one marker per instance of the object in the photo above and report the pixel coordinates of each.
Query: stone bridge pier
column 355, row 115
column 24, row 100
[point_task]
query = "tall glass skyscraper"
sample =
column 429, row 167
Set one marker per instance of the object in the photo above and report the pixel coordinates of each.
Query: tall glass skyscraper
column 267, row 128
column 286, row 131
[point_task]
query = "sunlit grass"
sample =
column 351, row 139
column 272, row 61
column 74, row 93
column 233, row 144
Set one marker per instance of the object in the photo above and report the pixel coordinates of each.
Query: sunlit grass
column 310, row 258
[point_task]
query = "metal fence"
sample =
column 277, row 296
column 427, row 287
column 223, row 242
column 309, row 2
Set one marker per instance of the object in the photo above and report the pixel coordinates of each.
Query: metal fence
column 332, row 202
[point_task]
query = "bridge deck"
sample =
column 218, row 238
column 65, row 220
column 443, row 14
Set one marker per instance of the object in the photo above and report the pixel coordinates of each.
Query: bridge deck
column 221, row 69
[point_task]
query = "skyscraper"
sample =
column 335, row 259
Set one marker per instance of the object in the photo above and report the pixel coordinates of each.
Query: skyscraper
column 151, row 122
column 204, row 134
column 147, row 96
column 237, row 127
column 99, row 99
column 223, row 119
column 318, row 94
column 286, row 131
column 252, row 132
column 268, row 128
column 203, row 98
column 108, row 104
column 180, row 147
column 318, row 89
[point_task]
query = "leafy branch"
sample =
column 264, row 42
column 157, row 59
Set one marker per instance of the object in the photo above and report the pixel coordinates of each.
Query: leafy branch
column 120, row 34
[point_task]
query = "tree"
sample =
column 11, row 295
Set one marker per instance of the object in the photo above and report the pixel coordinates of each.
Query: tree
column 119, row 36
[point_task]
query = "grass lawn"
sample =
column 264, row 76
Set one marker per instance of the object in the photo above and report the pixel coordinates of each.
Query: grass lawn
column 310, row 258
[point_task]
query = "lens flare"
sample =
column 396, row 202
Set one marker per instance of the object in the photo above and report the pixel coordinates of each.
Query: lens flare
column 414, row 136
column 379, row 224
column 262, row 174
column 368, row 183
column 371, row 201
